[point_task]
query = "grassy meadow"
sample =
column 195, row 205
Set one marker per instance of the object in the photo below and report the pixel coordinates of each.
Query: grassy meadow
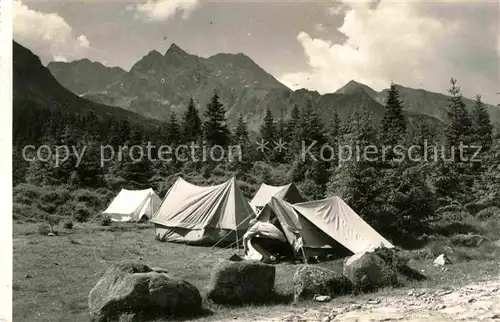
column 53, row 275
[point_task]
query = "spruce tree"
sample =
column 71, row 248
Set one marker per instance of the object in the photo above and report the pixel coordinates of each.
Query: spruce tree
column 215, row 126
column 268, row 128
column 241, row 131
column 311, row 126
column 240, row 137
column 191, row 123
column 459, row 125
column 335, row 127
column 292, row 134
column 481, row 125
column 394, row 122
column 173, row 134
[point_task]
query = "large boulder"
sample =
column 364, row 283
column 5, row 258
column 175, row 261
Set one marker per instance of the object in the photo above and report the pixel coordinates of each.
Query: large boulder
column 243, row 282
column 368, row 271
column 128, row 289
column 310, row 280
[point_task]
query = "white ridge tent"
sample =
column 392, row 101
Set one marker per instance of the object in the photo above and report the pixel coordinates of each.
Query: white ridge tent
column 203, row 215
column 322, row 224
column 133, row 205
column 289, row 193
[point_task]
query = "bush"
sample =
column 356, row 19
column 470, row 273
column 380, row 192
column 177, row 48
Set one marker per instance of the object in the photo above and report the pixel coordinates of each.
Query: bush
column 450, row 216
column 311, row 190
column 90, row 198
column 105, row 220
column 57, row 196
column 68, row 225
column 23, row 212
column 490, row 212
column 474, row 207
column 453, row 208
column 44, row 229
column 81, row 213
column 26, row 193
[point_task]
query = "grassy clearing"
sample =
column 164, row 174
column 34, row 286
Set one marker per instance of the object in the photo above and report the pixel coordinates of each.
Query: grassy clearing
column 53, row 275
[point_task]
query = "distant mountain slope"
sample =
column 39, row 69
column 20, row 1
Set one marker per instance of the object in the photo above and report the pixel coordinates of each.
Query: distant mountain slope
column 418, row 101
column 158, row 84
column 34, row 84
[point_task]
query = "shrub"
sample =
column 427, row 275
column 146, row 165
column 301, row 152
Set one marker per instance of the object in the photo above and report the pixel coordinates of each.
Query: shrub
column 26, row 193
column 23, row 212
column 490, row 212
column 68, row 225
column 262, row 172
column 469, row 240
column 311, row 190
column 474, row 207
column 450, row 216
column 453, row 208
column 90, row 198
column 105, row 220
column 44, row 229
column 78, row 211
column 220, row 171
column 56, row 196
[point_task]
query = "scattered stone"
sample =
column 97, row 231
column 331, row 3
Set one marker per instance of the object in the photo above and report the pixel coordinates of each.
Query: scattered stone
column 322, row 298
column 235, row 258
column 328, row 318
column 471, row 301
column 442, row 260
column 135, row 289
column 27, row 276
column 440, row 307
column 244, row 282
column 311, row 280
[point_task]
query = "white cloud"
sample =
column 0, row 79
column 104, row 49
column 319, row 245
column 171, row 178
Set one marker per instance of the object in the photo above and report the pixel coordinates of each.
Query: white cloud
column 159, row 10
column 48, row 34
column 408, row 43
column 319, row 27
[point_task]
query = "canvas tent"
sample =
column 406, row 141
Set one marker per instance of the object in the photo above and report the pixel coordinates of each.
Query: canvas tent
column 133, row 205
column 321, row 225
column 289, row 193
column 203, row 215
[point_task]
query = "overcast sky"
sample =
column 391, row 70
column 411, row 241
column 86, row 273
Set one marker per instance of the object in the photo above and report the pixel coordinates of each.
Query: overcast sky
column 319, row 45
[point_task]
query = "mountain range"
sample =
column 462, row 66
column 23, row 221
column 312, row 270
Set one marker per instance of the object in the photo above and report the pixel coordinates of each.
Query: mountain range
column 34, row 86
column 159, row 84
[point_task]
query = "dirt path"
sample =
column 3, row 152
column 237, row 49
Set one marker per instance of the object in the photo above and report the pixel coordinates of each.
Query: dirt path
column 475, row 302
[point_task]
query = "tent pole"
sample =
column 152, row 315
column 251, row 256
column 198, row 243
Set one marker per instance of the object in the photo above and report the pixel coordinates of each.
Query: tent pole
column 237, row 242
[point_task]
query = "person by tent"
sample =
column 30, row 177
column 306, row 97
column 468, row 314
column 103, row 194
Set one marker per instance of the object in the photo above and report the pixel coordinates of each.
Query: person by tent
column 267, row 240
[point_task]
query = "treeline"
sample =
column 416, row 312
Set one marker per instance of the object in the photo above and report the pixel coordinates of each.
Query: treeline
column 398, row 197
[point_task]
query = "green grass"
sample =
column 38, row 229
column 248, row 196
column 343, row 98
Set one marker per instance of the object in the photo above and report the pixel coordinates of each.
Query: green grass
column 64, row 268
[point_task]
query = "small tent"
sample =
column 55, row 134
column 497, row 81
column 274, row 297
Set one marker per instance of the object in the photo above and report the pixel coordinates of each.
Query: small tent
column 203, row 215
column 327, row 225
column 133, row 205
column 289, row 193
